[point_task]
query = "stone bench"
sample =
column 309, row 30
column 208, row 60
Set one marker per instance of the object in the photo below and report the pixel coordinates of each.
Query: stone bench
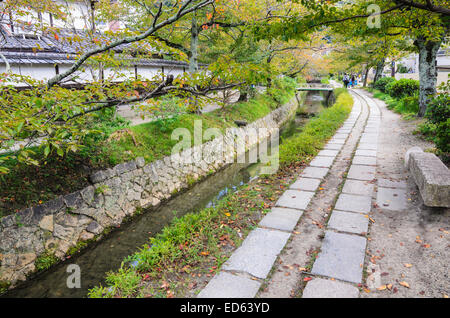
column 431, row 176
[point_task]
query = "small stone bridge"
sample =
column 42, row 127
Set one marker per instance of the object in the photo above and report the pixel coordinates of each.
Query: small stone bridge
column 315, row 87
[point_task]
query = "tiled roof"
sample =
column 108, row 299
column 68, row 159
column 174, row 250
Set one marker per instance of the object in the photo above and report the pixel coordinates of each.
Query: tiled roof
column 46, row 49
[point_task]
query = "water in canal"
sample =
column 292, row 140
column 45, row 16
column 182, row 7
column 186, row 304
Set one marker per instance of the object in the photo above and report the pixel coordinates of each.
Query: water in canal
column 107, row 255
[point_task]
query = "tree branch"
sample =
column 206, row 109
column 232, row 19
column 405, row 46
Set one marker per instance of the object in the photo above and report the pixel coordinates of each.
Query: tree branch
column 428, row 7
column 181, row 12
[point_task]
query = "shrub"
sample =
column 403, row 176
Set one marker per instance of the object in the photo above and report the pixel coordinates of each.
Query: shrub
column 442, row 139
column 408, row 104
column 438, row 113
column 402, row 88
column 438, row 110
column 382, row 83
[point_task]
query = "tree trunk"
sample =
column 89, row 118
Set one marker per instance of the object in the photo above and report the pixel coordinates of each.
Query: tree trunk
column 379, row 71
column 427, row 71
column 243, row 95
column 193, row 62
column 366, row 75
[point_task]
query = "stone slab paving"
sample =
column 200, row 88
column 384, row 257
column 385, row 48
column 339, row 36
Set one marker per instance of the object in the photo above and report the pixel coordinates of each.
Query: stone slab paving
column 369, row 135
column 333, row 146
column 305, row 184
column 314, row 172
column 348, row 222
column 354, row 203
column 391, row 199
column 369, row 140
column 366, row 153
column 328, row 153
column 226, row 285
column 320, row 161
column 337, row 141
column 342, row 254
column 340, row 136
column 368, row 161
column 325, row 288
column 358, row 187
column 257, row 253
column 295, row 199
column 386, row 183
column 367, row 146
column 341, row 257
column 360, row 172
column 281, row 219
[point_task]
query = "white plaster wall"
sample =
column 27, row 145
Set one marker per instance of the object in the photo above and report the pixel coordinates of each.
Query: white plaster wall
column 36, row 71
column 47, row 71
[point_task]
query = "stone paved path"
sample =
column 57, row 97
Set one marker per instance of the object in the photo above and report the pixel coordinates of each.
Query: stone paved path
column 352, row 211
column 250, row 265
column 343, row 249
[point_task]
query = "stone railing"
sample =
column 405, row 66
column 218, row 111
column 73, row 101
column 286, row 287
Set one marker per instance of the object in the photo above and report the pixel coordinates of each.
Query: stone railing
column 114, row 194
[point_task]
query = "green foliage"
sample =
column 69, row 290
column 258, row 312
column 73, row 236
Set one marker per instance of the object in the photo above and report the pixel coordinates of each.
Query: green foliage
column 382, row 83
column 407, row 106
column 438, row 110
column 122, row 283
column 316, row 131
column 438, row 114
column 102, row 189
column 4, row 286
column 45, row 261
column 442, row 139
column 282, row 89
column 339, row 91
column 402, row 69
column 402, row 88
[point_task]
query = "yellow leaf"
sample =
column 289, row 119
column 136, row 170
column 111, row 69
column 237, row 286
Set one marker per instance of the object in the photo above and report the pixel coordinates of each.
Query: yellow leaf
column 404, row 284
column 382, row 287
column 408, row 265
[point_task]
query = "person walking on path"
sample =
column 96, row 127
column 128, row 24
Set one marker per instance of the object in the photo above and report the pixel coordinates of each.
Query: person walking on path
column 346, row 80
column 354, row 81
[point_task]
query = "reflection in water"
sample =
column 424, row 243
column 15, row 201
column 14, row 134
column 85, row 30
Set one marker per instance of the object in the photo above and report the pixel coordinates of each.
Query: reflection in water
column 108, row 254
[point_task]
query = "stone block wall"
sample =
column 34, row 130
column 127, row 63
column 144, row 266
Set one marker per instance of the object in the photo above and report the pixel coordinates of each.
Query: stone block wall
column 54, row 227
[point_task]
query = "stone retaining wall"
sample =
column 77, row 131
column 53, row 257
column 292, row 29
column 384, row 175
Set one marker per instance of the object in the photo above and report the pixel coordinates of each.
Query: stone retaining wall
column 56, row 226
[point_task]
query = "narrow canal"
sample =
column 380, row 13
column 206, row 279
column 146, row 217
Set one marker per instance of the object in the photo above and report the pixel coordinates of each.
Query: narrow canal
column 107, row 255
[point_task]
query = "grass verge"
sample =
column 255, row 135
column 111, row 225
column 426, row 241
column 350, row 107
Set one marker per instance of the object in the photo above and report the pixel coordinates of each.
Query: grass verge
column 186, row 254
column 408, row 106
